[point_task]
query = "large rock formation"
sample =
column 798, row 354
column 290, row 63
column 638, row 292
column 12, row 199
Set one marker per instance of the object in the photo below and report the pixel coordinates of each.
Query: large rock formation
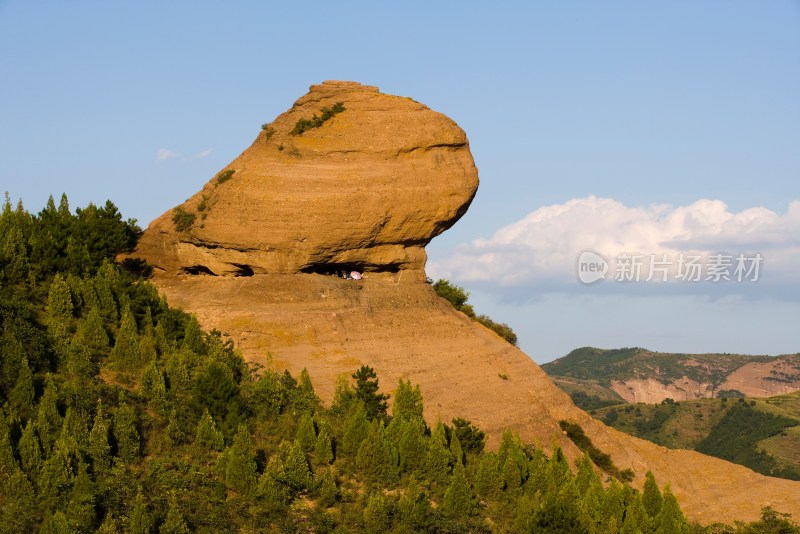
column 365, row 190
column 369, row 188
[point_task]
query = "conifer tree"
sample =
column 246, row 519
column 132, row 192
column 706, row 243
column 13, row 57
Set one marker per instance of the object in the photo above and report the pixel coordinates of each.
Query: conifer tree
column 327, row 491
column 455, row 449
column 306, row 435
column 153, row 387
column 670, row 518
column 55, row 524
column 377, row 458
column 193, row 338
column 22, row 396
column 56, row 476
column 457, row 502
column 139, row 519
column 409, row 437
column 30, row 451
column 8, row 464
column 367, row 392
column 59, row 311
column 91, row 334
column 414, row 508
column 356, row 428
column 174, row 522
column 651, row 496
column 99, row 448
column 48, row 420
column 487, row 476
column 323, row 447
column 19, row 511
column 240, row 464
column 125, row 433
column 306, row 399
column 636, row 519
column 14, row 265
column 126, row 347
column 376, row 514
column 437, row 457
column 80, row 510
column 289, row 468
column 207, row 435
column 407, row 402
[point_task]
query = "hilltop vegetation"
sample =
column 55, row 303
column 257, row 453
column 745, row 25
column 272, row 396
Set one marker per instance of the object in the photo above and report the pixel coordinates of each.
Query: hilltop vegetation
column 120, row 414
column 458, row 296
column 603, row 366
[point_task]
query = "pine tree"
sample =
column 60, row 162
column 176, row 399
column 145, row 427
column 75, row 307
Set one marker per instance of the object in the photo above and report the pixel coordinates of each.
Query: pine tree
column 126, row 434
column 367, row 392
column 125, row 353
column 240, row 467
column 636, row 519
column 306, row 435
column 409, row 437
column 139, row 519
column 455, row 449
column 437, row 457
column 56, row 476
column 376, row 514
column 306, row 400
column 80, row 510
column 356, row 428
column 91, row 335
column 153, row 387
column 14, row 264
column 109, row 525
column 487, row 477
column 59, row 310
column 323, row 447
column 174, row 522
column 99, row 448
column 30, row 451
column 651, row 496
column 327, row 490
column 19, row 511
column 407, row 402
column 8, row 464
column 193, row 338
column 377, row 458
column 48, row 420
column 670, row 518
column 289, row 468
column 513, row 461
column 457, row 502
column 21, row 397
column 414, row 508
column 207, row 435
column 55, row 524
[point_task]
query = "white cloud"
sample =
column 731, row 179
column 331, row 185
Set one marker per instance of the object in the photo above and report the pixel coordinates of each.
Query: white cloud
column 164, row 154
column 201, row 155
column 542, row 248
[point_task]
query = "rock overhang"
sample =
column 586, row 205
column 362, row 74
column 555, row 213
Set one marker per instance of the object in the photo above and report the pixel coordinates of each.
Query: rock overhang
column 347, row 178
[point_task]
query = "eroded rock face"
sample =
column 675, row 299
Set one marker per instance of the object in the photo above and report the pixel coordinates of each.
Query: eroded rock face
column 365, row 190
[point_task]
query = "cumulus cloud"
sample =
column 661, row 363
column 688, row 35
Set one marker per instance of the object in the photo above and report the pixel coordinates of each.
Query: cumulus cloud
column 543, row 247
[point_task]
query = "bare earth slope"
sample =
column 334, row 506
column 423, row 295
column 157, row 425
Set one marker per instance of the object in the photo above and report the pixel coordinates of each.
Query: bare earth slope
column 367, row 190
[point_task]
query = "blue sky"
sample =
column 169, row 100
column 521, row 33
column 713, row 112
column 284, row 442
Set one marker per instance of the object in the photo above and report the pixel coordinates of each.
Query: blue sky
column 638, row 112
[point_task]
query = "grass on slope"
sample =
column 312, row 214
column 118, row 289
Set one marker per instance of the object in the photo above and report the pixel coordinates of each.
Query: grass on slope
column 747, row 432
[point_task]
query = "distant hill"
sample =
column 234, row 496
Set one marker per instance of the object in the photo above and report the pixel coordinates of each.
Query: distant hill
column 593, row 376
column 702, row 402
column 762, row 434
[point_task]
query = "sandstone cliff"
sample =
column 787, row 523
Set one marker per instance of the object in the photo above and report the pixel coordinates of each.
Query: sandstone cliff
column 368, row 189
column 365, row 190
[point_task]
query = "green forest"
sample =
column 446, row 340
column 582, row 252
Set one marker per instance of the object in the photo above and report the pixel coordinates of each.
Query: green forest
column 120, row 414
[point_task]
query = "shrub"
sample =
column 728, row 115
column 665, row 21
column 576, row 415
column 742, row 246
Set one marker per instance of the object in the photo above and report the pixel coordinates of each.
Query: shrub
column 182, row 219
column 224, row 176
column 316, row 121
